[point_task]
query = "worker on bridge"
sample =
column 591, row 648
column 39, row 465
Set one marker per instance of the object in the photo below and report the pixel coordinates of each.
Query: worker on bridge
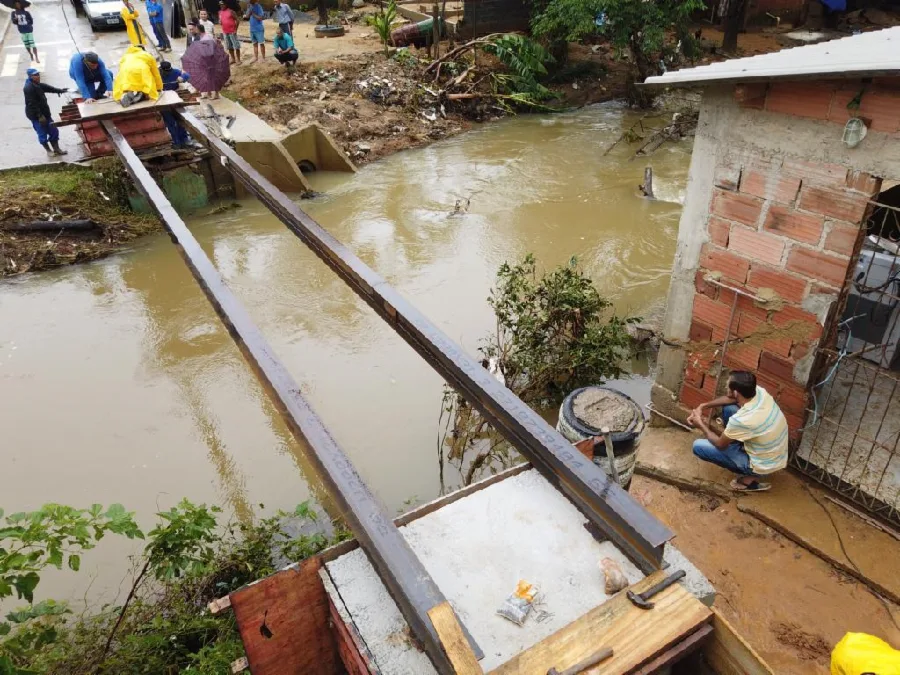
column 172, row 78
column 91, row 75
column 38, row 111
column 138, row 77
column 755, row 440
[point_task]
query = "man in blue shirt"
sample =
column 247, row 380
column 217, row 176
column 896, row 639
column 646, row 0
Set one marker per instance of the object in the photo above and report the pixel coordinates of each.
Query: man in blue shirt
column 91, row 75
column 172, row 78
column 284, row 17
column 285, row 52
column 25, row 24
column 155, row 12
column 256, row 14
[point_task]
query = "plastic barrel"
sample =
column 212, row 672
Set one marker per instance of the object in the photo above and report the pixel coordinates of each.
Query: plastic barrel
column 626, row 439
column 413, row 33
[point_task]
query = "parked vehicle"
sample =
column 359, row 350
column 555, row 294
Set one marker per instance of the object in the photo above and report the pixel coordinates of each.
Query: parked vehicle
column 103, row 13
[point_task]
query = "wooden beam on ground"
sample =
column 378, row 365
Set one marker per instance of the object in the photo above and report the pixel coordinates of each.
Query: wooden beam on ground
column 683, row 483
column 455, row 644
column 636, row 636
column 677, row 652
column 728, row 654
column 633, row 529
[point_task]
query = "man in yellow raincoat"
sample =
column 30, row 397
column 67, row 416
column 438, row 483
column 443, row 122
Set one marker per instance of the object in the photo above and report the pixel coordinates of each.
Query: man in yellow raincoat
column 138, row 72
column 130, row 17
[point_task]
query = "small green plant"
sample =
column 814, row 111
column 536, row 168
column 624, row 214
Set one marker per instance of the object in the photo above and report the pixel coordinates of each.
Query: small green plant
column 527, row 62
column 382, row 22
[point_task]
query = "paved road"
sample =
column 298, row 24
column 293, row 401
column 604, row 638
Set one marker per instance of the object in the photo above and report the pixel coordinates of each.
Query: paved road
column 58, row 33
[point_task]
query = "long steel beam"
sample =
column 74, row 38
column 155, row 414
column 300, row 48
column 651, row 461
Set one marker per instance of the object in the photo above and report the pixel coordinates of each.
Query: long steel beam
column 401, row 571
column 631, row 527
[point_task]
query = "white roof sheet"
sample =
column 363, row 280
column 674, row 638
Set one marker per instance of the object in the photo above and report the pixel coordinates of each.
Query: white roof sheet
column 863, row 55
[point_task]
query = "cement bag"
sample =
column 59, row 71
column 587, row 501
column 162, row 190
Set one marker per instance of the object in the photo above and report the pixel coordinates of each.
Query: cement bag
column 858, row 653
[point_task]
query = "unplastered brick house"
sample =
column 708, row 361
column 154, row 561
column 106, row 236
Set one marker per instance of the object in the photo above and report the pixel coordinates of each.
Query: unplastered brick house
column 786, row 260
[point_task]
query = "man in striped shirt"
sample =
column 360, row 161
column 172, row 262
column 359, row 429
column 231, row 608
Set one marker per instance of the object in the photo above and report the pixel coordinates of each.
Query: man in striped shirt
column 755, row 440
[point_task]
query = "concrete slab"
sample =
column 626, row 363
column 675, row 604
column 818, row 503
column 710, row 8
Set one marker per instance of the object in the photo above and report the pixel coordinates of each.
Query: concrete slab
column 476, row 550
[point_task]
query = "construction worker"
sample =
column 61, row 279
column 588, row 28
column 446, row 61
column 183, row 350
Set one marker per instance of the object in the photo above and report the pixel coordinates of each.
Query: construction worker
column 38, row 111
column 172, row 79
column 91, row 75
column 138, row 77
column 132, row 25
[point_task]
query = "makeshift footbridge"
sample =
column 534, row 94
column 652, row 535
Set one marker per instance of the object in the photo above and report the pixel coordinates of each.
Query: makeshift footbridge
column 611, row 511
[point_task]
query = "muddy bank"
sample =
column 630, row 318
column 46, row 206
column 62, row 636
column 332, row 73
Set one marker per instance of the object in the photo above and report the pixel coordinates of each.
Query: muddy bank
column 58, row 193
column 374, row 106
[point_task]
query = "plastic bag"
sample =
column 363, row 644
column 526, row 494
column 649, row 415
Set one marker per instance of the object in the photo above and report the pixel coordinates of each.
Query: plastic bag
column 518, row 604
column 858, row 653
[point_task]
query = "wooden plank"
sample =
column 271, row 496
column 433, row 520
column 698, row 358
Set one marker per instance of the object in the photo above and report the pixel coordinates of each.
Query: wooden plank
column 109, row 108
column 454, row 640
column 284, row 623
column 635, row 635
column 728, row 654
column 674, row 654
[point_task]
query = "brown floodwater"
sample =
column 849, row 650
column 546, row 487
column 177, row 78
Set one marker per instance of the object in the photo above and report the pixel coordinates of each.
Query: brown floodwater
column 120, row 384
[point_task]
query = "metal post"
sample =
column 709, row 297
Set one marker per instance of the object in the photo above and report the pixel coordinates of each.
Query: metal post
column 401, row 571
column 628, row 524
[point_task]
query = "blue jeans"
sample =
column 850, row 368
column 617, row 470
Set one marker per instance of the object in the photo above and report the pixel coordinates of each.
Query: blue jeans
column 45, row 131
column 734, row 457
column 159, row 31
column 178, row 133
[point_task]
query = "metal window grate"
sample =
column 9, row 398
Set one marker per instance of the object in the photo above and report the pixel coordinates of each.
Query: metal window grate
column 851, row 441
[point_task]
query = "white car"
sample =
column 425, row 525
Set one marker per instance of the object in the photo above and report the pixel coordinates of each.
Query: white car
column 103, row 13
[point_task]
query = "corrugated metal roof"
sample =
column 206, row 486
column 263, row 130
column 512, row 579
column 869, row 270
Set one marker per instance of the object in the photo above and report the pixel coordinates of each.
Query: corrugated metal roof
column 863, row 55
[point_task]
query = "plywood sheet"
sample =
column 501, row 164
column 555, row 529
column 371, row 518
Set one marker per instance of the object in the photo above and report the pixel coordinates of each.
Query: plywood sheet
column 635, row 635
column 453, row 640
column 281, row 612
column 108, row 108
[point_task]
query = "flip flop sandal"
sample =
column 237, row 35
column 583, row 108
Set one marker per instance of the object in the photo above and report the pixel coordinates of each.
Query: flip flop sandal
column 755, row 486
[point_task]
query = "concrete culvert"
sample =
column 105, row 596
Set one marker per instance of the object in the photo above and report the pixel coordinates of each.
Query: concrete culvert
column 306, row 166
column 586, row 411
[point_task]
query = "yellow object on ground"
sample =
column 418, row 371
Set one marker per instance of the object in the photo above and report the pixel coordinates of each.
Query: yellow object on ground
column 135, row 34
column 858, row 653
column 137, row 72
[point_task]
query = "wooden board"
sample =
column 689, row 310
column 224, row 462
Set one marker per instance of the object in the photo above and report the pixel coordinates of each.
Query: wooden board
column 636, row 636
column 284, row 623
column 454, row 640
column 677, row 652
column 108, row 108
column 728, row 654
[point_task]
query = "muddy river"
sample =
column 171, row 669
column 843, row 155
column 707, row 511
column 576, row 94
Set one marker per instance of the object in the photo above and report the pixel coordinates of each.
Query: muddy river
column 120, row 385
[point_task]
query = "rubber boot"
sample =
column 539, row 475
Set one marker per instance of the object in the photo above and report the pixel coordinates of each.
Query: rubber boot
column 47, row 148
column 58, row 150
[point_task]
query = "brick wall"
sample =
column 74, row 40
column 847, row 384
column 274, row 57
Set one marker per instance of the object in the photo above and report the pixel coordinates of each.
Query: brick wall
column 784, row 230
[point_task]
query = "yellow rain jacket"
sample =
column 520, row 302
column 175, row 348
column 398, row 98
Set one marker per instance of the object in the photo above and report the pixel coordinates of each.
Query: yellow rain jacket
column 135, row 33
column 137, row 72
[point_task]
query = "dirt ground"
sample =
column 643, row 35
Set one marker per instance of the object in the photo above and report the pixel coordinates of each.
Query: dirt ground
column 58, row 193
column 790, row 605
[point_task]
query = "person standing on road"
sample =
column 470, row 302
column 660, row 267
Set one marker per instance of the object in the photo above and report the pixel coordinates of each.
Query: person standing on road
column 91, row 75
column 37, row 110
column 155, row 12
column 755, row 440
column 25, row 24
column 229, row 21
column 285, row 52
column 130, row 16
column 283, row 15
column 256, row 14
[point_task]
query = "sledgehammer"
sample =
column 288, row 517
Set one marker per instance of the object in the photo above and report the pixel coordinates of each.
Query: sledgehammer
column 642, row 600
column 581, row 666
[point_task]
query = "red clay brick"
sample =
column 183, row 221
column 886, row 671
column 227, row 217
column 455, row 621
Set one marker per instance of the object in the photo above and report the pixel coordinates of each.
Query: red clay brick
column 703, row 286
column 795, row 424
column 839, row 204
column 800, row 99
column 734, row 206
column 881, row 108
column 818, row 173
column 842, row 238
column 787, row 286
column 756, row 245
column 779, row 346
column 718, row 231
column 742, row 357
column 699, row 332
column 744, row 304
column 792, row 315
column 770, row 186
column 730, row 265
column 863, row 182
column 692, row 397
column 798, row 351
column 770, row 384
column 713, row 314
column 788, row 222
column 827, row 267
column 792, row 399
column 693, row 377
column 777, row 367
column 727, row 177
column 751, row 95
column 748, row 324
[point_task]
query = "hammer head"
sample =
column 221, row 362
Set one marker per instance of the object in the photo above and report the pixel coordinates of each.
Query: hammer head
column 639, row 601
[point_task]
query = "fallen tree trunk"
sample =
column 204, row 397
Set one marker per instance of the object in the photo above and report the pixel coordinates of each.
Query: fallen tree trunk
column 52, row 226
